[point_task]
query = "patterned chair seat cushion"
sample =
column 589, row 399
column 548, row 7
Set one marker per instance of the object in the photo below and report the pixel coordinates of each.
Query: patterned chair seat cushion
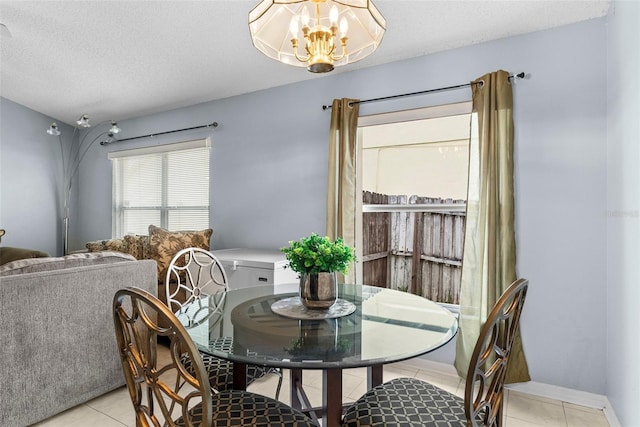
column 406, row 402
column 240, row 408
column 221, row 371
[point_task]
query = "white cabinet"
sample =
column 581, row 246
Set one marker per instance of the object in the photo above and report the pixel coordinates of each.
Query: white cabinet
column 256, row 267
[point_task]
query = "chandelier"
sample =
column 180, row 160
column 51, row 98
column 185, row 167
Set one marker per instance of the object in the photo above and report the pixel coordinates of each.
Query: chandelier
column 317, row 34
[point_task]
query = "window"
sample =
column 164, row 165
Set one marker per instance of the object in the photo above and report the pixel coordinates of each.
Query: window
column 413, row 176
column 166, row 185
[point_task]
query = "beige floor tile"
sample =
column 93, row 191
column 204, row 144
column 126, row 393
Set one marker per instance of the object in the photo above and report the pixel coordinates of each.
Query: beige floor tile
column 445, row 382
column 353, row 384
column 535, row 411
column 80, row 416
column 359, row 372
column 583, row 417
column 397, row 370
column 352, row 392
column 116, row 404
column 312, row 377
column 514, row 422
column 267, row 385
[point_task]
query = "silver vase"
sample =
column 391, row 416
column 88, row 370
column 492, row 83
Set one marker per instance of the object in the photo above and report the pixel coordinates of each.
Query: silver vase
column 318, row 291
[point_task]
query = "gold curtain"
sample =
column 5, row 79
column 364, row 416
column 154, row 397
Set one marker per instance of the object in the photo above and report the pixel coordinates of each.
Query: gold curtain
column 341, row 189
column 489, row 260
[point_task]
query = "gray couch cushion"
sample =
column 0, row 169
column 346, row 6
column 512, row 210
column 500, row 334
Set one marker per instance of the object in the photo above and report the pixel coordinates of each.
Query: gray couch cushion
column 58, row 342
column 34, row 265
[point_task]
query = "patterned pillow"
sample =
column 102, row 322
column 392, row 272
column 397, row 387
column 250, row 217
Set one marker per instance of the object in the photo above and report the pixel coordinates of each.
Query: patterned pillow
column 138, row 246
column 165, row 244
column 96, row 246
column 117, row 245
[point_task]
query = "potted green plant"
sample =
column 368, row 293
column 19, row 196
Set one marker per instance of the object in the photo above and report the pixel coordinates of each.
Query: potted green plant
column 317, row 259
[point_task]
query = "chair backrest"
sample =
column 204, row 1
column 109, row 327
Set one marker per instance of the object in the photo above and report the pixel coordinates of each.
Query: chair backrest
column 194, row 273
column 488, row 365
column 161, row 390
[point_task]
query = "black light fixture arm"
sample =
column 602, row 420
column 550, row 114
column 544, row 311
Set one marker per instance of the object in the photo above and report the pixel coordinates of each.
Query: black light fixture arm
column 210, row 125
column 440, row 89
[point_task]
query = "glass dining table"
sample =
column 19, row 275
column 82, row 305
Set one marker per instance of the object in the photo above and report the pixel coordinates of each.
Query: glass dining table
column 386, row 326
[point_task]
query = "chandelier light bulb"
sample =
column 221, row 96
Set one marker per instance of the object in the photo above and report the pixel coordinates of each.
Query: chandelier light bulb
column 293, row 26
column 344, row 27
column 333, row 15
column 305, row 17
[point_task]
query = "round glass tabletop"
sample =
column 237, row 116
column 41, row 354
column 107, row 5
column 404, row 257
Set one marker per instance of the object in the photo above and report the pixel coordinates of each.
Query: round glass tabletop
column 386, row 326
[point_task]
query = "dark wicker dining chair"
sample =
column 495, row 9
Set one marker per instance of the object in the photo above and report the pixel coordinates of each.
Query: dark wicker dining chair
column 194, row 273
column 163, row 392
column 410, row 402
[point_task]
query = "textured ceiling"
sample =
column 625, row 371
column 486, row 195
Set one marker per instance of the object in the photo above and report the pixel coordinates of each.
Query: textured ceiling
column 122, row 59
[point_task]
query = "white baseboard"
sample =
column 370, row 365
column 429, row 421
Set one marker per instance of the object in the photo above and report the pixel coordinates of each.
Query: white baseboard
column 610, row 414
column 564, row 394
column 533, row 388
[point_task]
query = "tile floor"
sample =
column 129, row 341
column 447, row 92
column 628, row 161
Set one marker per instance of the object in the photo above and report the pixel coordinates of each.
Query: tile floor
column 114, row 409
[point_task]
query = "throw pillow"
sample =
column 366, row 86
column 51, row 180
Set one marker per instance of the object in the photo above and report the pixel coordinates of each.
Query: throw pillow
column 165, row 244
column 96, row 246
column 118, row 245
column 8, row 254
column 138, row 246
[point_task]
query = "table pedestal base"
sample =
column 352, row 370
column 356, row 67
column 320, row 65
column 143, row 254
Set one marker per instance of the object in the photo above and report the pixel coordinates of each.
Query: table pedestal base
column 332, row 408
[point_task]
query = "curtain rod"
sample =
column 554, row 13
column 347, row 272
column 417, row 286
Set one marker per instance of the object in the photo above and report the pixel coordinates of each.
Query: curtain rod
column 210, row 125
column 384, row 98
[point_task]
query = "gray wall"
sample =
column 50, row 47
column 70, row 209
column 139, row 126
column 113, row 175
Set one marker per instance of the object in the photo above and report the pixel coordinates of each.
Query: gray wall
column 269, row 163
column 623, row 208
column 30, row 177
column 269, row 175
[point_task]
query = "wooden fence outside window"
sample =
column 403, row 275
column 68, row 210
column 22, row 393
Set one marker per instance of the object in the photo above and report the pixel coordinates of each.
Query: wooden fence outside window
column 419, row 252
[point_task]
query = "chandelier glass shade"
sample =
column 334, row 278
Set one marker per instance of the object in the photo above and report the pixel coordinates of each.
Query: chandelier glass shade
column 83, row 121
column 317, row 34
column 53, row 129
column 114, row 128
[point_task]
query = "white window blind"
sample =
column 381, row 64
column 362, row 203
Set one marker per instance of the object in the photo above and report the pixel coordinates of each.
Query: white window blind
column 166, row 185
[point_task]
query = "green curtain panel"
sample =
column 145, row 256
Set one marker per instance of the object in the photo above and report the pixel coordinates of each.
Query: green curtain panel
column 489, row 260
column 341, row 189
